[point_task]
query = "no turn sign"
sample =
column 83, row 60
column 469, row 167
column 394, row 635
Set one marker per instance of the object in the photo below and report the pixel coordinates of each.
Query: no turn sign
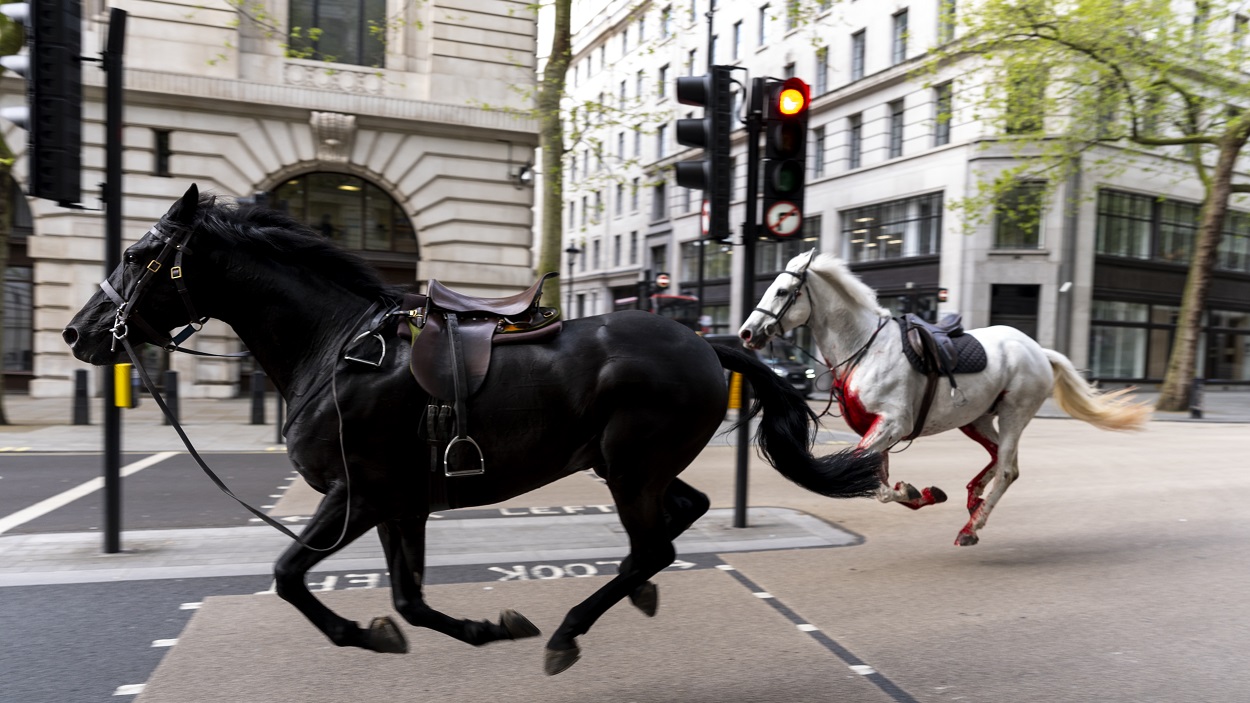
column 783, row 219
column 661, row 280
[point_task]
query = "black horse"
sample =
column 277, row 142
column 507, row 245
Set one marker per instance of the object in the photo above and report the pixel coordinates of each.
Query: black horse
column 631, row 395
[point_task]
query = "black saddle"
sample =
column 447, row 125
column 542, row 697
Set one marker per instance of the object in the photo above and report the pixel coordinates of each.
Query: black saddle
column 941, row 348
column 938, row 350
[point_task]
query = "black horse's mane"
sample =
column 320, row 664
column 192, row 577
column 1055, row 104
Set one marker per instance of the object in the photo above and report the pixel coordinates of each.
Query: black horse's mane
column 275, row 234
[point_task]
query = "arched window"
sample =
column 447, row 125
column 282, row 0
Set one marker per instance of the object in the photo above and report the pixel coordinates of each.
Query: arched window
column 356, row 214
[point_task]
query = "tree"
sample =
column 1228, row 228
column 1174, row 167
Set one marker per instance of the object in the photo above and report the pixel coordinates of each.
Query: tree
column 12, row 37
column 551, row 139
column 1161, row 80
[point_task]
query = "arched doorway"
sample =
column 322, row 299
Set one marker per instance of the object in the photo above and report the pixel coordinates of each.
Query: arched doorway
column 358, row 215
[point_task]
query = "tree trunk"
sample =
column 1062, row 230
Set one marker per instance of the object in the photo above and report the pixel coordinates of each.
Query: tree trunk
column 1174, row 395
column 551, row 139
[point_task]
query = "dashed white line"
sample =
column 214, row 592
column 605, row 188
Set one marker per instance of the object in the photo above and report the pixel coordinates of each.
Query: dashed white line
column 762, row 594
column 863, row 669
column 133, row 689
column 165, row 643
column 804, row 627
column 190, row 606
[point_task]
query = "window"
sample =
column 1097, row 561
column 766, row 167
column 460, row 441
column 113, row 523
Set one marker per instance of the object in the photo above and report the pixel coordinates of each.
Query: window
column 642, row 30
column 711, row 49
column 339, row 31
column 633, row 247
column 1234, row 249
column 1118, row 350
column 855, row 141
column 1026, row 89
column 624, row 91
column 942, row 114
column 633, row 195
column 585, row 210
column 737, row 46
column 694, row 11
column 792, row 14
column 762, row 38
column 595, row 258
column 594, row 216
column 19, row 307
column 350, row 211
column 818, row 152
column 661, row 86
column 659, row 202
column 620, row 199
column 717, row 260
column 787, row 71
column 661, row 141
column 620, row 146
column 160, row 153
column 1178, row 225
column 690, row 61
column 624, row 41
column 896, row 129
column 1018, row 216
column 897, row 229
column 616, row 250
column 898, row 45
column 1125, row 222
column 857, row 55
column 666, row 22
column 637, row 143
column 822, row 70
column 1241, row 24
column 946, row 21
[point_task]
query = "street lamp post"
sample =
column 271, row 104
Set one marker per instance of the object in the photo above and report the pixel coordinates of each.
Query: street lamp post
column 572, row 251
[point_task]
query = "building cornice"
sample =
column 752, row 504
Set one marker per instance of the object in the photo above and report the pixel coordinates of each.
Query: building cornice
column 177, row 89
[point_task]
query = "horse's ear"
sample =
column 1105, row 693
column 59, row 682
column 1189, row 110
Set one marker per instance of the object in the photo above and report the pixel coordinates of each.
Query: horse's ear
column 183, row 211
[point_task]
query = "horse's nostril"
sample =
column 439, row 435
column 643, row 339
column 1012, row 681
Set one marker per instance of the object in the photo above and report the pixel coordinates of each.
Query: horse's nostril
column 70, row 335
column 746, row 335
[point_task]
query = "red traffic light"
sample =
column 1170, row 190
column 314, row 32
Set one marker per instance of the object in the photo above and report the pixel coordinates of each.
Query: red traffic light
column 793, row 98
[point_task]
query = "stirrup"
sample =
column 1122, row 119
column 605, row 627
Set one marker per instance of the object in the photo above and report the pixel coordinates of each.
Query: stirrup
column 368, row 362
column 463, row 472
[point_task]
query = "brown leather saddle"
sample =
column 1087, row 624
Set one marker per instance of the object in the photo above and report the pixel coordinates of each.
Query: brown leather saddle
column 452, row 338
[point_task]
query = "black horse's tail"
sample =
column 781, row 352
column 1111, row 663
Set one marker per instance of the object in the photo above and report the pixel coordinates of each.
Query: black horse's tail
column 785, row 434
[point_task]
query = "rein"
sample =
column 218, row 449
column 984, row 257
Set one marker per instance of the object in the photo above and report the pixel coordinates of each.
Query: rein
column 794, row 295
column 852, row 361
column 177, row 245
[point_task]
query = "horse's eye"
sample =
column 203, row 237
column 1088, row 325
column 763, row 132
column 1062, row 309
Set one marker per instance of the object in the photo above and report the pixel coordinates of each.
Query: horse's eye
column 781, row 293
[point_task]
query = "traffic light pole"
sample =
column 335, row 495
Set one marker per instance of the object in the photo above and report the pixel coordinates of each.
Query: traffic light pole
column 112, row 62
column 750, row 235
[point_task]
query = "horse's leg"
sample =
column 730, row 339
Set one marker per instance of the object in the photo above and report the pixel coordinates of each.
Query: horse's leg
column 981, row 431
column 403, row 541
column 650, row 551
column 1003, row 471
column 885, row 433
column 683, row 504
column 333, row 526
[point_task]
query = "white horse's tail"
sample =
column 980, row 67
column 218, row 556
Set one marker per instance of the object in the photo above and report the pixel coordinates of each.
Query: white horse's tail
column 1109, row 411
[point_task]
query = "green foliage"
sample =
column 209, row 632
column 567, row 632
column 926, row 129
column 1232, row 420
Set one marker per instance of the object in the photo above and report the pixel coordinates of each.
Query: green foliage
column 1060, row 77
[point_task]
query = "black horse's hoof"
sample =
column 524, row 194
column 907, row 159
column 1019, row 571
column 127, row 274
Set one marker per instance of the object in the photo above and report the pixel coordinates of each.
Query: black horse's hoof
column 646, row 598
column 557, row 660
column 939, row 495
column 385, row 637
column 517, row 625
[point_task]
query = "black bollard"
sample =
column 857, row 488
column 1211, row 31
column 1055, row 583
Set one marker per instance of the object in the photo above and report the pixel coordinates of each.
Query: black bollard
column 258, row 397
column 1195, row 399
column 170, row 383
column 82, row 406
column 278, row 419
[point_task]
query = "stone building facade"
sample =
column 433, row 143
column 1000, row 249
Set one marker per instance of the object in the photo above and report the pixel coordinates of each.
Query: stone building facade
column 408, row 149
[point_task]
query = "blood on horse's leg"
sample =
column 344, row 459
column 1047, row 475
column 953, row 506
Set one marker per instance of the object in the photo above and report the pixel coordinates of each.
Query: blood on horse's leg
column 982, row 432
column 903, row 493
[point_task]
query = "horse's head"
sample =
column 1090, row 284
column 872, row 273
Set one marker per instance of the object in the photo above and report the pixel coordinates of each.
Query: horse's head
column 784, row 305
column 142, row 298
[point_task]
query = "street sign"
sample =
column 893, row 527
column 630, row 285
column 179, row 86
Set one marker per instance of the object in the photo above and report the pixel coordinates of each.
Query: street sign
column 661, row 280
column 705, row 219
column 783, row 219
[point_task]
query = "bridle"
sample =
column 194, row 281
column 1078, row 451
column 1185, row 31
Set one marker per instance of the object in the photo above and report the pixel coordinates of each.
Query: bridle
column 175, row 246
column 795, row 293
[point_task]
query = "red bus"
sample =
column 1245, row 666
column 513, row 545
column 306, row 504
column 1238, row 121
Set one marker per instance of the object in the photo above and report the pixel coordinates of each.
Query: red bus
column 679, row 308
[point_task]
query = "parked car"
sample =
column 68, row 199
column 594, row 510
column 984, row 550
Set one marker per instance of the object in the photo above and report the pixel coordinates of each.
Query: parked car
column 782, row 357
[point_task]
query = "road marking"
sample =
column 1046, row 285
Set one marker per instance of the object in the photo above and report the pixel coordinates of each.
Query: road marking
column 864, row 670
column 133, row 689
column 807, row 628
column 190, row 606
column 14, row 449
column 763, row 594
column 165, row 643
column 46, row 506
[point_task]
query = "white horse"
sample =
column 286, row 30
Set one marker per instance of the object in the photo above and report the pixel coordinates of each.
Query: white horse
column 881, row 394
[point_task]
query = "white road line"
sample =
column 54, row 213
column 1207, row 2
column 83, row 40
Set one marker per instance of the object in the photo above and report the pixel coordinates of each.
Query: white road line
column 165, row 643
column 133, row 689
column 46, row 506
column 763, row 594
column 863, row 669
column 805, row 627
column 190, row 606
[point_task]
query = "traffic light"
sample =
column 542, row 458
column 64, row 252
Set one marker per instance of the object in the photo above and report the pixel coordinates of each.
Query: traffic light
column 713, row 174
column 52, row 116
column 784, row 167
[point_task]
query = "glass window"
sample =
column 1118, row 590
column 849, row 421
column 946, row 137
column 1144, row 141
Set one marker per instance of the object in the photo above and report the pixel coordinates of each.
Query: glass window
column 18, row 320
column 897, row 229
column 1178, row 223
column 818, row 152
column 1018, row 217
column 946, row 21
column 898, row 52
column 855, row 141
column 339, row 31
column 1025, row 100
column 822, row 70
column 1117, row 352
column 1124, row 224
column 857, row 55
column 1234, row 252
column 942, row 114
column 896, row 129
